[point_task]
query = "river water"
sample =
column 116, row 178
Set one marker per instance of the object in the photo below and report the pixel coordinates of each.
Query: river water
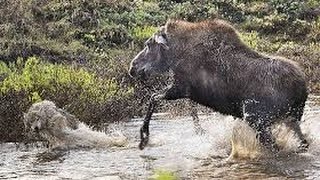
column 174, row 146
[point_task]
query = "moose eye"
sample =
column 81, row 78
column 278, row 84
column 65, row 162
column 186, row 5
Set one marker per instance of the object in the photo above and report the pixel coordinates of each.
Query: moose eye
column 149, row 42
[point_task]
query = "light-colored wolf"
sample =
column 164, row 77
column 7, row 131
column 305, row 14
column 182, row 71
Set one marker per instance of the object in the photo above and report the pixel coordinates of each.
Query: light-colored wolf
column 62, row 129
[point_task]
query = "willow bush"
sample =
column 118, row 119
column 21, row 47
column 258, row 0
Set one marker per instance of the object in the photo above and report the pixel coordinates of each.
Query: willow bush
column 77, row 52
column 92, row 99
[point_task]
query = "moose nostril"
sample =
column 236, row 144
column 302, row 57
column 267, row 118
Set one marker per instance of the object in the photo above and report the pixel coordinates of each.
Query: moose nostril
column 36, row 129
column 132, row 72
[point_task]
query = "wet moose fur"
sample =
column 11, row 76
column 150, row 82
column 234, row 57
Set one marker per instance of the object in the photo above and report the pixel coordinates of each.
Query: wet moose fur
column 213, row 67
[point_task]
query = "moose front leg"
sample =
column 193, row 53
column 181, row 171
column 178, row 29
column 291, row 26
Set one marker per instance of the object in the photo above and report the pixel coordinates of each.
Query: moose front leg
column 171, row 93
column 144, row 130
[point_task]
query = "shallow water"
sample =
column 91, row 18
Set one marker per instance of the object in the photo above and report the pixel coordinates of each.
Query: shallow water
column 173, row 146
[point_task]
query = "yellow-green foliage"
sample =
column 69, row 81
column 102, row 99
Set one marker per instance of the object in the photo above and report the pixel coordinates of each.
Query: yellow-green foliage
column 44, row 78
column 142, row 33
column 4, row 69
column 254, row 41
column 164, row 175
column 251, row 39
column 35, row 97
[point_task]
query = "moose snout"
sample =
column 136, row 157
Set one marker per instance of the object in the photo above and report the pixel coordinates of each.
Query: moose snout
column 36, row 129
column 132, row 71
column 136, row 73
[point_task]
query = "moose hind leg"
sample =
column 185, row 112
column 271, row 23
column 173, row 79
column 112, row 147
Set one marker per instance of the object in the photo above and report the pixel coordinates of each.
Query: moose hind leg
column 195, row 118
column 295, row 127
column 265, row 136
column 256, row 115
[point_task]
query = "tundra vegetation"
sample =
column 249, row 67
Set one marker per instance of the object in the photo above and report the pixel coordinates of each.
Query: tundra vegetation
column 77, row 53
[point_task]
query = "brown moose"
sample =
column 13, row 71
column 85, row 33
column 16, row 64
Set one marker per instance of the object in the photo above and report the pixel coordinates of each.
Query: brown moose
column 213, row 67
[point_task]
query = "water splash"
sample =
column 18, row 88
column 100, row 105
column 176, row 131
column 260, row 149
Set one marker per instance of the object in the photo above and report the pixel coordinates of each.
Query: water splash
column 84, row 136
column 244, row 142
column 175, row 146
column 245, row 145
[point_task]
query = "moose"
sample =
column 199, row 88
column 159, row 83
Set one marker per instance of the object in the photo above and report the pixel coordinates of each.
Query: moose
column 213, row 67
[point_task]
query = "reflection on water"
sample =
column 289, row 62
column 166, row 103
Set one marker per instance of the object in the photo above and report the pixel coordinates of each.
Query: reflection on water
column 173, row 146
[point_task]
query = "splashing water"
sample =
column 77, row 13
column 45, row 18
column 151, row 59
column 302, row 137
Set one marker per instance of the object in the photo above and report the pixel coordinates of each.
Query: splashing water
column 174, row 146
column 84, row 136
column 244, row 143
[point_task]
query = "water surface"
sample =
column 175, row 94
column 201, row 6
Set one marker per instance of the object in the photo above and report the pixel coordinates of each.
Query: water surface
column 174, row 146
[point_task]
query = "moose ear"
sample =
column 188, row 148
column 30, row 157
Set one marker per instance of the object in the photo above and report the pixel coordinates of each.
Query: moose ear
column 162, row 41
column 162, row 30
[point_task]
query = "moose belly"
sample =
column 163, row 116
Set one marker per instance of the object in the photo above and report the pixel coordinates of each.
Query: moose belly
column 218, row 101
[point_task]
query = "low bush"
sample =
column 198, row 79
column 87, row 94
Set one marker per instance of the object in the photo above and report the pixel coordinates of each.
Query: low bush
column 94, row 100
column 308, row 56
column 77, row 53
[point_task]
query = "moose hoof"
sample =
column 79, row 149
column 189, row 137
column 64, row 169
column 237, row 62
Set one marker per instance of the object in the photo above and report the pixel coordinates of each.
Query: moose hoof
column 143, row 143
column 303, row 147
column 200, row 131
column 275, row 148
column 157, row 97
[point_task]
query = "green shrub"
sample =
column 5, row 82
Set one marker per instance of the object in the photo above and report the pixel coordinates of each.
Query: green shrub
column 308, row 56
column 46, row 78
column 254, row 41
column 314, row 35
column 140, row 34
column 93, row 99
column 94, row 40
